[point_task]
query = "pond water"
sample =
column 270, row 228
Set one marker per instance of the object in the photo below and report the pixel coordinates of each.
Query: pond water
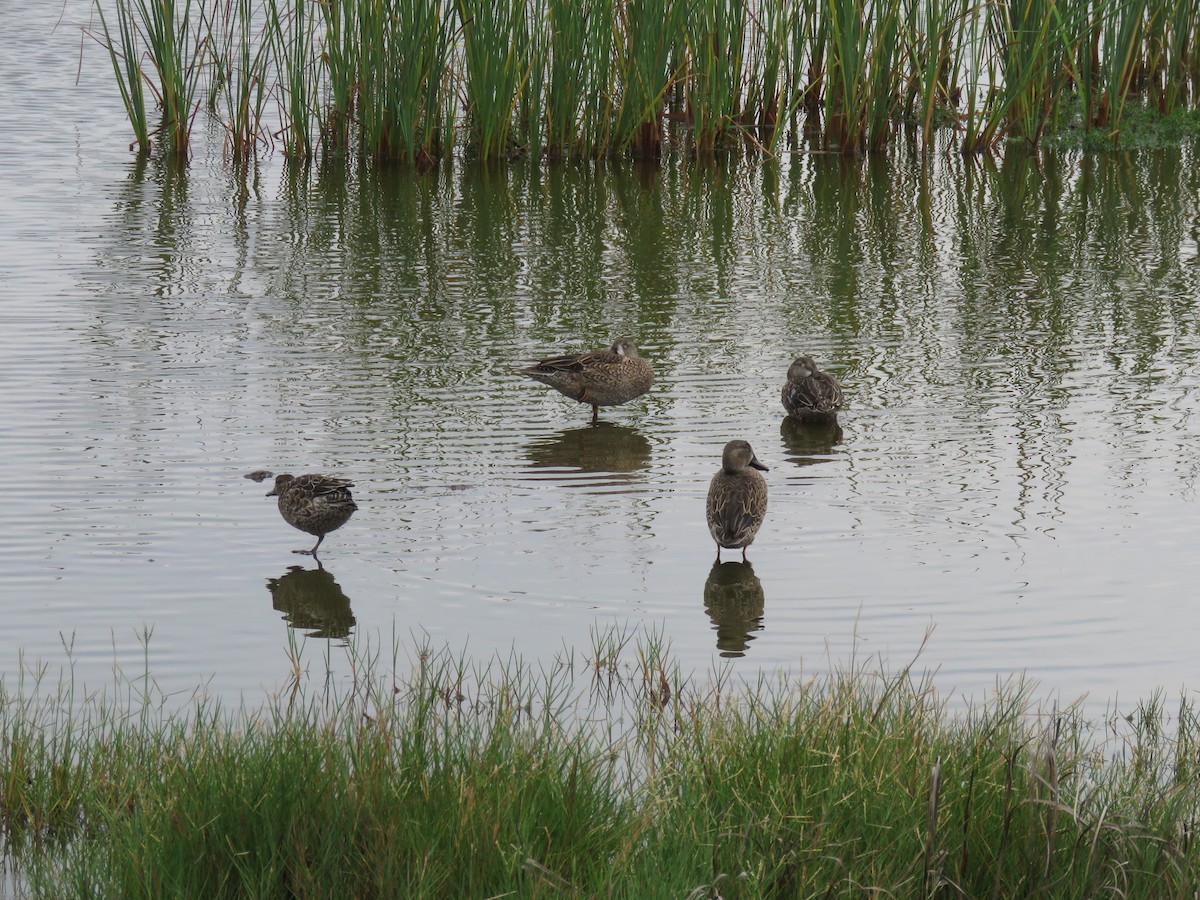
column 1016, row 469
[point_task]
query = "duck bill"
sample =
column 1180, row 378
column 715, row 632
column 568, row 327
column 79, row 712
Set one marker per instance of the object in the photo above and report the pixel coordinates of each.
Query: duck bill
column 273, row 494
column 755, row 464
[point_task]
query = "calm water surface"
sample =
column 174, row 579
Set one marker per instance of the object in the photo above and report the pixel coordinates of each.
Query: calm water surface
column 1016, row 469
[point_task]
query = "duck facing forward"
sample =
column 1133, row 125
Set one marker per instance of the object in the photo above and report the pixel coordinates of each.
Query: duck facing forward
column 601, row 378
column 317, row 504
column 737, row 499
column 810, row 394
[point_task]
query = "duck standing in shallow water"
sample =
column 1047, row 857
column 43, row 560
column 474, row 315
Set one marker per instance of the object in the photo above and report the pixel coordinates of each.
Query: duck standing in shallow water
column 601, row 378
column 737, row 499
column 317, row 504
column 810, row 394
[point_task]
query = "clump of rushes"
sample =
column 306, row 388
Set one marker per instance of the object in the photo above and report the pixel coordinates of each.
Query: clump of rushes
column 861, row 79
column 495, row 47
column 716, row 33
column 578, row 76
column 648, row 32
column 603, row 772
column 239, row 81
column 162, row 31
column 933, row 45
column 125, row 53
column 765, row 104
column 341, row 58
column 405, row 99
column 292, row 29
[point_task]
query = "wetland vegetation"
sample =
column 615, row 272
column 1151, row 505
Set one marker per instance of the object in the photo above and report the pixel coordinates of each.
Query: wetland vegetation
column 412, row 80
column 606, row 772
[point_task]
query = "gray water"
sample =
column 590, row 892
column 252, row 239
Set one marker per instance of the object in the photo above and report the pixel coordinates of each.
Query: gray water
column 1015, row 471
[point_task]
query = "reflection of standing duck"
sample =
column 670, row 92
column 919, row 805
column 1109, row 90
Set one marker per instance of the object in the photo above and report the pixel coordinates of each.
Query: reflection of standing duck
column 603, row 447
column 310, row 598
column 601, row 378
column 810, row 394
column 737, row 499
column 733, row 599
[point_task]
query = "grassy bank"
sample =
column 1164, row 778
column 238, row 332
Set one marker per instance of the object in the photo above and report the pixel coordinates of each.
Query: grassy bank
column 410, row 80
column 607, row 773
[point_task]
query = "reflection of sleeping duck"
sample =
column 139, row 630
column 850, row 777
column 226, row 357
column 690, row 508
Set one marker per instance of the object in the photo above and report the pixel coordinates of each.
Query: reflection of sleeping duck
column 809, row 439
column 603, row 447
column 733, row 599
column 310, row 598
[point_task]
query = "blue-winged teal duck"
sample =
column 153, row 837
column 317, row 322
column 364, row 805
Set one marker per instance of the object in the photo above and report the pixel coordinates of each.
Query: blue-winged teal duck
column 737, row 499
column 317, row 504
column 602, row 378
column 810, row 394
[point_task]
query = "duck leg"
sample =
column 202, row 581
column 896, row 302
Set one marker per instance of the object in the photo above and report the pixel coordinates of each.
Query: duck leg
column 313, row 551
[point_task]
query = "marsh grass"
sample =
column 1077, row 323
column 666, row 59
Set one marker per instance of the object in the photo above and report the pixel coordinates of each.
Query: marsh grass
column 496, row 48
column 125, row 54
column 167, row 35
column 398, row 79
column 579, row 41
column 606, row 771
column 405, row 82
column 239, row 81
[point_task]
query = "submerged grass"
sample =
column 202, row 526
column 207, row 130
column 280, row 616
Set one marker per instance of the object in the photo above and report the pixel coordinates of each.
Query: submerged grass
column 601, row 773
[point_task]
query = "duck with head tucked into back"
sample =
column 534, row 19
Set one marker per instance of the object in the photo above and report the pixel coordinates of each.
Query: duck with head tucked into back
column 811, row 395
column 600, row 378
column 317, row 504
column 737, row 499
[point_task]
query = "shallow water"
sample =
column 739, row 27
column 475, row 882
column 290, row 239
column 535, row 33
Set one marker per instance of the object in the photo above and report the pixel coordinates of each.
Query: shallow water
column 1016, row 468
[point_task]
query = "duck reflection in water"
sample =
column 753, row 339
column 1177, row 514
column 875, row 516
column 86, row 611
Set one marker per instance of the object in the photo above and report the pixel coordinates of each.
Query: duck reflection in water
column 603, row 447
column 312, row 601
column 733, row 599
column 808, row 442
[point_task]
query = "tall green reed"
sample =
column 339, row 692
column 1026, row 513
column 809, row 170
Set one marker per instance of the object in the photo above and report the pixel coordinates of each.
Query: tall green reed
column 294, row 41
column 861, row 81
column 531, row 96
column 933, row 45
column 240, row 73
column 125, row 54
column 716, row 35
column 649, row 33
column 341, row 56
column 1124, row 26
column 165, row 33
column 405, row 82
column 578, row 77
column 495, row 48
column 766, row 102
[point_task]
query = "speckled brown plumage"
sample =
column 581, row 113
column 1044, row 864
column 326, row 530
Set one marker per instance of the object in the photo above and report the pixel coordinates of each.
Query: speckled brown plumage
column 600, row 378
column 810, row 394
column 737, row 499
column 317, row 504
